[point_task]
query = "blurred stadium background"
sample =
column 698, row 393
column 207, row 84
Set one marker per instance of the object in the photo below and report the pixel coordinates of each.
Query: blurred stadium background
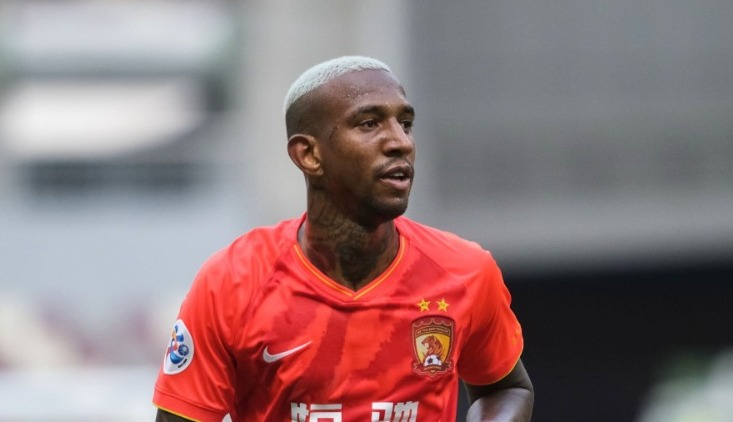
column 588, row 144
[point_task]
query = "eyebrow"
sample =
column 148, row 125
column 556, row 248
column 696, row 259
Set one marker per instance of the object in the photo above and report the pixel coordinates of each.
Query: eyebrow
column 380, row 110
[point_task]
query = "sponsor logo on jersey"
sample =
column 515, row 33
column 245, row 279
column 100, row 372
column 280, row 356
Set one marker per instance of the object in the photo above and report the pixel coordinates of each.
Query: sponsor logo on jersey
column 432, row 340
column 179, row 353
column 270, row 358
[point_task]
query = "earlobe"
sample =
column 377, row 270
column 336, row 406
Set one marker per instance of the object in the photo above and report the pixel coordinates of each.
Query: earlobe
column 303, row 150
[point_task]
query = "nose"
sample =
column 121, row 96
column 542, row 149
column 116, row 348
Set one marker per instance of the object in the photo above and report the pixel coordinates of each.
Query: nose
column 398, row 140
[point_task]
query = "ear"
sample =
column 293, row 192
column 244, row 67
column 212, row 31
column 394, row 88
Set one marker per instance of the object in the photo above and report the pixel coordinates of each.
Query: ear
column 303, row 150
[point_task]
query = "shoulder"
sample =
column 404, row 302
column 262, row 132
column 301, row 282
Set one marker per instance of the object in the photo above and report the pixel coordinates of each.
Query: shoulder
column 463, row 261
column 441, row 245
column 228, row 281
column 250, row 256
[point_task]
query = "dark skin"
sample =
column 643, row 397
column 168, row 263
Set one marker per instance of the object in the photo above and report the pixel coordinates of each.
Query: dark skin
column 358, row 165
column 509, row 399
column 163, row 416
column 353, row 142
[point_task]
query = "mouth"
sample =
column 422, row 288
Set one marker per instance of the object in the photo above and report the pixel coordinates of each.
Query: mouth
column 398, row 176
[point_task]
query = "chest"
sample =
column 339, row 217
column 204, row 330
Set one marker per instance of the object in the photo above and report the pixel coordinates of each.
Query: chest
column 316, row 342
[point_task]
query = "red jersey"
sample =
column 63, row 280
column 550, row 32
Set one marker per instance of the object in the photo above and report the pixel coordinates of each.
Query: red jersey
column 265, row 336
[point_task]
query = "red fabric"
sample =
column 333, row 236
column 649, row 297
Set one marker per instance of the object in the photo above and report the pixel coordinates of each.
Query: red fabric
column 347, row 354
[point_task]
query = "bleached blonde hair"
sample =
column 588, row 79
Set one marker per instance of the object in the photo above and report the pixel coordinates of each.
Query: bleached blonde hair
column 324, row 72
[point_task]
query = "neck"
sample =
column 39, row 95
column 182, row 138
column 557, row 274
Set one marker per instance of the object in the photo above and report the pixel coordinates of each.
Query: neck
column 347, row 252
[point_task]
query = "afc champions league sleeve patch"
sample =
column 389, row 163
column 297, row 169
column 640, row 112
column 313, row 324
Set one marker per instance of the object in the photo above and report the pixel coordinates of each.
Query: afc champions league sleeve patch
column 179, row 353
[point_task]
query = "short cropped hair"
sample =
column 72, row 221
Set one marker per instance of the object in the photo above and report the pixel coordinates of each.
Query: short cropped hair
column 324, row 72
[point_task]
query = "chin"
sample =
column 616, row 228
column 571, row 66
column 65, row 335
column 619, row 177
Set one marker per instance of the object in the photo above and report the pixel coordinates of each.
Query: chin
column 392, row 211
column 372, row 213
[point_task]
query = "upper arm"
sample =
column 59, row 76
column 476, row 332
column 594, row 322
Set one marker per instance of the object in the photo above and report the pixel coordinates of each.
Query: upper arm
column 197, row 376
column 494, row 340
column 509, row 399
column 163, row 416
column 516, row 379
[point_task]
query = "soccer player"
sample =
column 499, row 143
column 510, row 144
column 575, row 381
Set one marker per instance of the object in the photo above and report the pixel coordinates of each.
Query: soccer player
column 350, row 312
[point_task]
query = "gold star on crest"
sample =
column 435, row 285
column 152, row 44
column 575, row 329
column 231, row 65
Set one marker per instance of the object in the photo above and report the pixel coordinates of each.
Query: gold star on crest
column 424, row 305
column 443, row 305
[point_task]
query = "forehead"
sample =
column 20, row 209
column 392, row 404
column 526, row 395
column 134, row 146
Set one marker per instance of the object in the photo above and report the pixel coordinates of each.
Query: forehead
column 358, row 88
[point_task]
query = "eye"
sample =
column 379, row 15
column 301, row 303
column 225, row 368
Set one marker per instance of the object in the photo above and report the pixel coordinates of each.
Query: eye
column 407, row 125
column 368, row 124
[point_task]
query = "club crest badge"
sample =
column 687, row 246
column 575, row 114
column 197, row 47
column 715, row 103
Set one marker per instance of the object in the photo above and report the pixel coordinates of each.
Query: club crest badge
column 432, row 341
column 179, row 353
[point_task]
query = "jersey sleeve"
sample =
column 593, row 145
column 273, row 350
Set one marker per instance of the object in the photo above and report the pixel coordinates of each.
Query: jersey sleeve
column 196, row 379
column 494, row 343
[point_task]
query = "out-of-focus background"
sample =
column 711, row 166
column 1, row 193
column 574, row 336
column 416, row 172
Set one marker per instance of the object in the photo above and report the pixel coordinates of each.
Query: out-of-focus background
column 588, row 144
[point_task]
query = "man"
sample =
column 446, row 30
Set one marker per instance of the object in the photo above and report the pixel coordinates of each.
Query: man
column 350, row 312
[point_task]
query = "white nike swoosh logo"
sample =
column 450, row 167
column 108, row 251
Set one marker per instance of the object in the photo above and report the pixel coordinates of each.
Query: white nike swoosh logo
column 277, row 356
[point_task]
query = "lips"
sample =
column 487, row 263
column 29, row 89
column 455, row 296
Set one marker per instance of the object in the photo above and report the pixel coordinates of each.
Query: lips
column 398, row 176
column 398, row 172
